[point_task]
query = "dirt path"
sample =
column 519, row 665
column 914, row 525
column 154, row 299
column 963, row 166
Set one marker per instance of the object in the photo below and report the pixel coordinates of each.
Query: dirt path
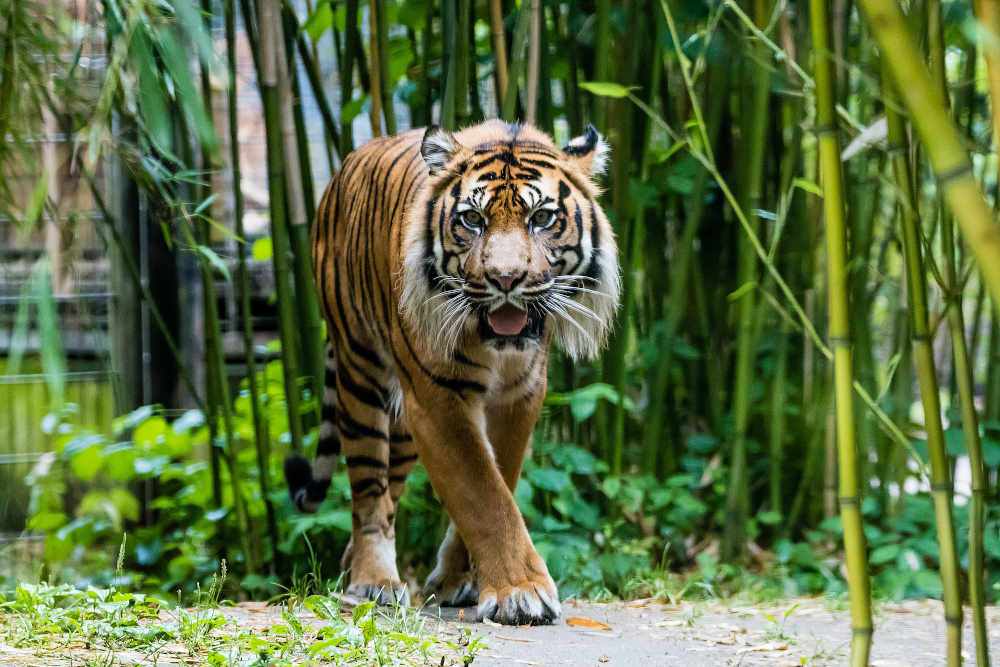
column 909, row 634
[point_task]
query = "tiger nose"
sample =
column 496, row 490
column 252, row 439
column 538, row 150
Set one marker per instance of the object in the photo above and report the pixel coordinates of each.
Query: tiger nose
column 505, row 281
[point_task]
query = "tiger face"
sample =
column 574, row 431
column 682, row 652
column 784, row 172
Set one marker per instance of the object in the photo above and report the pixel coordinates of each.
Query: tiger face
column 507, row 242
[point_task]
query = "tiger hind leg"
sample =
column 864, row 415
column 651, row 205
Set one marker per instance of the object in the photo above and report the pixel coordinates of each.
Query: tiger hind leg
column 364, row 431
column 452, row 582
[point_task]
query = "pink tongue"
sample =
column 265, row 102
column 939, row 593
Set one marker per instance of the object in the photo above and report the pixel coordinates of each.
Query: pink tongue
column 507, row 320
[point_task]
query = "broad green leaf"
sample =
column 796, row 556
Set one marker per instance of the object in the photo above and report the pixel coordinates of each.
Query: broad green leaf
column 319, row 21
column 884, row 554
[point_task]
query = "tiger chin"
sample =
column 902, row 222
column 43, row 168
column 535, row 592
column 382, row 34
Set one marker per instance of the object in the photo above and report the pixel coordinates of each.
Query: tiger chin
column 447, row 264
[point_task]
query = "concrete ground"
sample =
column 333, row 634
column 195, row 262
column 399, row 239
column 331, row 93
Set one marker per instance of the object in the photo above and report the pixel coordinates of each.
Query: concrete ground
column 647, row 632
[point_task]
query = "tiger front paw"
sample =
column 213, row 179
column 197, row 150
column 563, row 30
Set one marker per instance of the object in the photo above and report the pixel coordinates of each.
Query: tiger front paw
column 530, row 599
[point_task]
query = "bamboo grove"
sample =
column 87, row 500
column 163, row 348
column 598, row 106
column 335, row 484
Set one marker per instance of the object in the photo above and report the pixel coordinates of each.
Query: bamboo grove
column 805, row 199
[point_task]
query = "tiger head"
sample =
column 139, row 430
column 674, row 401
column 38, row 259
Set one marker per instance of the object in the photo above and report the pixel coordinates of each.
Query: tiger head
column 506, row 241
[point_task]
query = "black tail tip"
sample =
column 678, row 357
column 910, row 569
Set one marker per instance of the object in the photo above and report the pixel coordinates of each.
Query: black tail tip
column 298, row 473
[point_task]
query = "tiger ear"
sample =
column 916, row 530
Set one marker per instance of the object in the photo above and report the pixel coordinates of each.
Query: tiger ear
column 437, row 148
column 590, row 151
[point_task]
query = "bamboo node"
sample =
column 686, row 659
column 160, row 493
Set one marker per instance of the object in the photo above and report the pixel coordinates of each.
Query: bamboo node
column 867, row 631
column 953, row 174
column 849, row 500
column 825, row 130
column 841, row 341
column 953, row 620
column 936, row 488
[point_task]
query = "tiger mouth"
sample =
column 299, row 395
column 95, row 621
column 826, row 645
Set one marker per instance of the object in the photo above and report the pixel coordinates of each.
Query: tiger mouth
column 507, row 320
column 510, row 323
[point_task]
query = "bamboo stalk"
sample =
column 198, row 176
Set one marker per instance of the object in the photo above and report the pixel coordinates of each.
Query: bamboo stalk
column 381, row 24
column 534, row 53
column 374, row 69
column 449, row 20
column 261, row 437
column 923, row 356
column 840, row 339
column 283, row 275
column 518, row 61
column 499, row 49
column 309, row 324
column 755, row 119
column 352, row 45
column 963, row 367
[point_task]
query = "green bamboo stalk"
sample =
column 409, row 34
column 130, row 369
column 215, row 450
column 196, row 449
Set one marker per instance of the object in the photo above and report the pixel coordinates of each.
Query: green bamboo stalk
column 300, row 205
column 458, row 74
column 534, row 55
column 499, row 49
column 311, row 66
column 352, row 45
column 449, row 19
column 261, row 437
column 602, row 59
column 381, row 25
column 283, row 275
column 963, row 367
column 755, row 119
column 840, row 339
column 476, row 113
column 518, row 63
column 374, row 69
column 923, row 355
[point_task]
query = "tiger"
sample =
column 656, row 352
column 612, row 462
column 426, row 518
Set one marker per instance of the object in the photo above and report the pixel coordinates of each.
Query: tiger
column 446, row 266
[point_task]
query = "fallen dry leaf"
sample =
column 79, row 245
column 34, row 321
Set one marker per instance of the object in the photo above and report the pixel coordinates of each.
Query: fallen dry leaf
column 515, row 639
column 581, row 622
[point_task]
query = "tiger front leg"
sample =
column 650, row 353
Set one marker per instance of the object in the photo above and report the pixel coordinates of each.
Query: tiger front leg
column 514, row 584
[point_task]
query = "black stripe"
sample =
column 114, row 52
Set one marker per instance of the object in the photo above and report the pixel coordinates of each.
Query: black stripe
column 400, row 437
column 360, row 487
column 328, row 446
column 354, row 461
column 376, row 397
column 454, row 384
column 400, row 460
column 351, row 429
column 397, row 479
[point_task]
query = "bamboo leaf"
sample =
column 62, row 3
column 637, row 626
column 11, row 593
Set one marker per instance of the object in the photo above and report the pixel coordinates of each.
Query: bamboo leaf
column 808, row 186
column 607, row 88
column 214, row 260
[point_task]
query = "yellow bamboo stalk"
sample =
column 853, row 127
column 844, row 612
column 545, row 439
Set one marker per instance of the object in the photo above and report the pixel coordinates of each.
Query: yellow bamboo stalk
column 855, row 548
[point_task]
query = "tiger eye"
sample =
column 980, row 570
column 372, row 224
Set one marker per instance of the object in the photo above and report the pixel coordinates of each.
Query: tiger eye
column 541, row 218
column 472, row 219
